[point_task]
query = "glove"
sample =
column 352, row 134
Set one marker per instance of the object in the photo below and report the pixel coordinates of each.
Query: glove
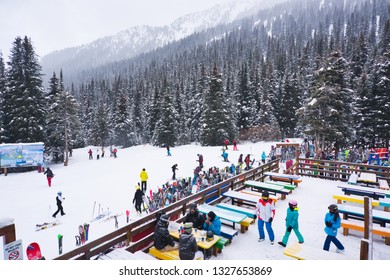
column 328, row 224
column 270, row 220
column 289, row 229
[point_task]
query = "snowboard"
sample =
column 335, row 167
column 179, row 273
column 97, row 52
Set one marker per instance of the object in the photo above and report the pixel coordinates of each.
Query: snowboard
column 33, row 252
column 43, row 226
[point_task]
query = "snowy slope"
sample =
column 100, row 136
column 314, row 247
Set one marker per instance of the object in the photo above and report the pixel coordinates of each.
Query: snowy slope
column 26, row 198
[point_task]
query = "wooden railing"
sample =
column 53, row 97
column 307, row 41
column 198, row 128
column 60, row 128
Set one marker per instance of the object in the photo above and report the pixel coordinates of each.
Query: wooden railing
column 338, row 170
column 145, row 226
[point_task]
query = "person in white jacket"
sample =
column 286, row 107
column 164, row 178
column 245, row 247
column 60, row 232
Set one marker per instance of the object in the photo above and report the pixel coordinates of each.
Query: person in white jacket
column 265, row 210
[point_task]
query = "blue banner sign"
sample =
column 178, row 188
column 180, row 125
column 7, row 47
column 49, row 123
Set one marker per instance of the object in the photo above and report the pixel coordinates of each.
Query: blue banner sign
column 21, row 154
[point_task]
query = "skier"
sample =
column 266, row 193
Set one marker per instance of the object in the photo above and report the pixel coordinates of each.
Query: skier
column 226, row 143
column 200, row 160
column 97, row 154
column 102, row 152
column 138, row 199
column 225, row 156
column 291, row 223
column 265, row 209
column 247, row 161
column 90, row 154
column 59, row 200
column 49, row 175
column 240, row 161
column 114, row 152
column 144, row 177
column 235, row 145
column 168, row 151
column 174, row 168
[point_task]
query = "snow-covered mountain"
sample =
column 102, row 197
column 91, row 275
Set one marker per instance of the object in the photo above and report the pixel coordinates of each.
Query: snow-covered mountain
column 140, row 39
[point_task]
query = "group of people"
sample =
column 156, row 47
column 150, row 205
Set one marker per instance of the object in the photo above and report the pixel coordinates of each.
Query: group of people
column 265, row 210
column 188, row 247
column 113, row 153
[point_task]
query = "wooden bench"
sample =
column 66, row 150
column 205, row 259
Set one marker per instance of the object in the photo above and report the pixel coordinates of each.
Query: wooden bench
column 385, row 202
column 383, row 185
column 290, row 187
column 250, row 212
column 228, row 232
column 343, row 198
column 359, row 225
column 168, row 255
column 352, row 180
column 305, row 252
column 246, row 223
column 295, row 181
column 222, row 242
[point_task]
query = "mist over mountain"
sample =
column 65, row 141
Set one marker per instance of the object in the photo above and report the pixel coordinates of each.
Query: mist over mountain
column 140, row 39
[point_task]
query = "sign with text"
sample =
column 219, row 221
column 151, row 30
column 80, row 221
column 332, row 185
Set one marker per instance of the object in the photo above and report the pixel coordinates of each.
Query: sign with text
column 21, row 154
column 13, row 250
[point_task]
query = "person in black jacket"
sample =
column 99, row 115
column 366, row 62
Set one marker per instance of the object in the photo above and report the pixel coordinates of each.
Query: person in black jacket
column 188, row 248
column 138, row 199
column 163, row 241
column 195, row 217
column 49, row 175
column 59, row 200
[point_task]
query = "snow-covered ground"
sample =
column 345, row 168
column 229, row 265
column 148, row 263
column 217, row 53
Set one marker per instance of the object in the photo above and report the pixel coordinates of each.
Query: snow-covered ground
column 110, row 182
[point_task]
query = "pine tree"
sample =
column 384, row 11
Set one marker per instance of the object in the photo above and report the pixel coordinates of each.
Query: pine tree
column 2, row 91
column 23, row 103
column 165, row 133
column 217, row 124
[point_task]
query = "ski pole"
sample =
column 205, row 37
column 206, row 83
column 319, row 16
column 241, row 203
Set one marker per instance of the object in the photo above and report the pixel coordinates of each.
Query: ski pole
column 93, row 211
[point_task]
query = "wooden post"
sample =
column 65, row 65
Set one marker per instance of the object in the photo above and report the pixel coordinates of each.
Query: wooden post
column 366, row 243
column 9, row 233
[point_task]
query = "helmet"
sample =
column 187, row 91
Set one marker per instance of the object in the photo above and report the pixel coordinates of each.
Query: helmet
column 209, row 235
column 59, row 193
column 265, row 194
column 164, row 218
column 137, row 187
column 333, row 207
column 293, row 203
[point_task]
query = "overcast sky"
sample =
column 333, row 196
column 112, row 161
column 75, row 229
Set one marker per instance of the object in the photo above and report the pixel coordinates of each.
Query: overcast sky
column 58, row 24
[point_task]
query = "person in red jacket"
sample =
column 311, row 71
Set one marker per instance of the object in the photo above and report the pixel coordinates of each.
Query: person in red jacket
column 226, row 143
column 265, row 210
column 247, row 161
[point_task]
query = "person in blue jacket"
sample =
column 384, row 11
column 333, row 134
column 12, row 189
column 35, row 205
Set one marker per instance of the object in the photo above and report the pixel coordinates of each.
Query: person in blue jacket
column 263, row 157
column 292, row 223
column 212, row 223
column 333, row 223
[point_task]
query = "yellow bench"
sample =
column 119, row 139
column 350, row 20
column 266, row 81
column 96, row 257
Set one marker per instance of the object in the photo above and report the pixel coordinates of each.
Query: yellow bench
column 304, row 252
column 167, row 255
column 341, row 198
column 358, row 225
column 246, row 223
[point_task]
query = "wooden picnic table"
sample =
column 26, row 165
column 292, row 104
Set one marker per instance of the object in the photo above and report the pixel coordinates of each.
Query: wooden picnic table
column 241, row 198
column 367, row 178
column 200, row 235
column 355, row 212
column 285, row 185
column 222, row 213
column 268, row 187
column 283, row 177
column 364, row 191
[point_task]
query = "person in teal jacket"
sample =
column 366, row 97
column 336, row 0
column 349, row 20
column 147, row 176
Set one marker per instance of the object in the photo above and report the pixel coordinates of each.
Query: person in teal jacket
column 212, row 223
column 333, row 223
column 291, row 223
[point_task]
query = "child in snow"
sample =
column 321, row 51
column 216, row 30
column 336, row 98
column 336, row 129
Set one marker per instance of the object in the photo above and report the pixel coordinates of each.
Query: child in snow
column 49, row 175
column 168, row 151
column 90, row 154
column 225, row 156
column 235, row 145
column 265, row 210
column 332, row 222
column 200, row 160
column 291, row 223
column 263, row 157
column 59, row 200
